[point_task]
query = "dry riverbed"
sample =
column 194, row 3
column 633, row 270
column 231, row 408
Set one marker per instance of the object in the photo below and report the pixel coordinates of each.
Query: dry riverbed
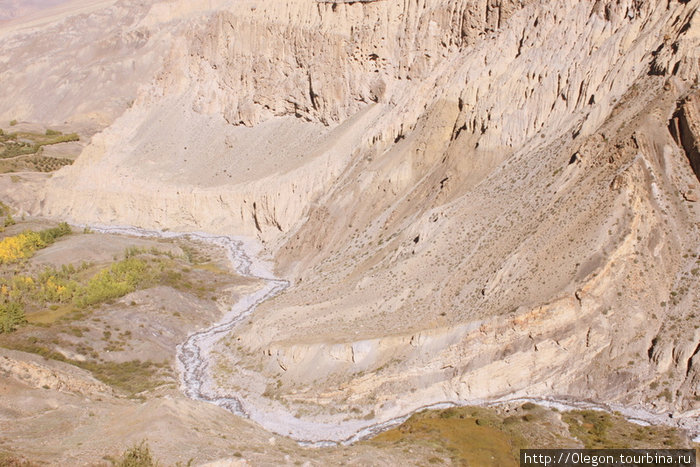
column 82, row 382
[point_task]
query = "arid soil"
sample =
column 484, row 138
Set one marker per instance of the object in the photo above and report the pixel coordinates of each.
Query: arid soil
column 472, row 201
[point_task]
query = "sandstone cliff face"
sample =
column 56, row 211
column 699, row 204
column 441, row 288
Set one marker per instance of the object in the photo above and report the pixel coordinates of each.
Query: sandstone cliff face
column 685, row 127
column 473, row 199
column 465, row 277
column 247, row 65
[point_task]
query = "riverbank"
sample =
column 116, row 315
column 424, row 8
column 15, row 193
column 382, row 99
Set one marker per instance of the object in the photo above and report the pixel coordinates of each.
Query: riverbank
column 197, row 383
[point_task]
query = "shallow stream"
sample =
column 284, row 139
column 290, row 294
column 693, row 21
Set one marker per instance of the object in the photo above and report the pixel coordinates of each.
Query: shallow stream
column 194, row 357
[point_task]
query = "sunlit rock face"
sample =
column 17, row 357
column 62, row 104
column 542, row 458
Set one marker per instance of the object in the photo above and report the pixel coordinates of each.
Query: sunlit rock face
column 472, row 199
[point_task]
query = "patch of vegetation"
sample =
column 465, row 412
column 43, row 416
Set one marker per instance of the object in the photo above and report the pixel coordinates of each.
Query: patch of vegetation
column 7, row 214
column 69, row 285
column 590, row 426
column 115, row 281
column 21, row 151
column 601, row 430
column 4, row 209
column 138, row 455
column 464, row 435
column 47, row 164
column 193, row 255
column 10, row 460
column 22, row 246
column 11, row 316
column 483, row 436
column 132, row 377
column 63, row 293
column 25, row 143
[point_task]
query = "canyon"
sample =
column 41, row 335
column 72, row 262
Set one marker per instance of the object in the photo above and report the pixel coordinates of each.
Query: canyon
column 470, row 201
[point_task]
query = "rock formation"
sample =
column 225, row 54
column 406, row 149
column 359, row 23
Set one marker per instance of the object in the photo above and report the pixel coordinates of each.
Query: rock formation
column 473, row 199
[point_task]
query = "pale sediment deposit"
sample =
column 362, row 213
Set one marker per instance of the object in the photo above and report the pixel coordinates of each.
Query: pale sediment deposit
column 471, row 200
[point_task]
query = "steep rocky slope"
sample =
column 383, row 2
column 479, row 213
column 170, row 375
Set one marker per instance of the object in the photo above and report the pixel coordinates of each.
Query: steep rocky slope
column 473, row 199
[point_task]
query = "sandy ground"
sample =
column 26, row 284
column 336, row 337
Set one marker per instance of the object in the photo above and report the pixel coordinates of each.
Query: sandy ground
column 96, row 248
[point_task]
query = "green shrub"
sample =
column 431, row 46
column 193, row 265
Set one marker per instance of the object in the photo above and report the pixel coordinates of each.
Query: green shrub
column 50, row 235
column 59, row 138
column 116, row 281
column 590, row 426
column 50, row 132
column 138, row 455
column 11, row 316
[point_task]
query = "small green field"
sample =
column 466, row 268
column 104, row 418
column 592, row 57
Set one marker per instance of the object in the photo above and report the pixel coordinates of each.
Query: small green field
column 23, row 151
column 493, row 437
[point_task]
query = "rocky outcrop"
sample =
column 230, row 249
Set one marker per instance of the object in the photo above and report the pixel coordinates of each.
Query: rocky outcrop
column 472, row 199
column 32, row 371
column 686, row 129
column 249, row 65
column 566, row 262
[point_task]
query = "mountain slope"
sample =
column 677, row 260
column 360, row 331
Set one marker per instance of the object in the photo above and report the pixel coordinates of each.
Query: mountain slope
column 473, row 199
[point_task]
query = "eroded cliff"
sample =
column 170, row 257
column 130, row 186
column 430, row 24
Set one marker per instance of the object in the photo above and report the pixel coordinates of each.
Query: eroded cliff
column 473, row 199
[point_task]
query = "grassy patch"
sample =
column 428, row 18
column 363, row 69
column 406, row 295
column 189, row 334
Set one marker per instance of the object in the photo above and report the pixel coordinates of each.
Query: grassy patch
column 484, row 436
column 211, row 267
column 27, row 143
column 603, row 430
column 50, row 314
column 465, row 436
column 11, row 316
column 132, row 377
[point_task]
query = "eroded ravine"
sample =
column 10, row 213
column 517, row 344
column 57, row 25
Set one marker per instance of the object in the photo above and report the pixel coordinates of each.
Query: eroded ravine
column 194, row 358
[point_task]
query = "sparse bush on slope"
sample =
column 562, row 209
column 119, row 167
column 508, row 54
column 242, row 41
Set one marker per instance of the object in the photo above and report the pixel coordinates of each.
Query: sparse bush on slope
column 11, row 316
column 138, row 455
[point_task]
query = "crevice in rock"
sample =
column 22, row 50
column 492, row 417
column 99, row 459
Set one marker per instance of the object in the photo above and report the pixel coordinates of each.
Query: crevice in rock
column 255, row 217
column 690, row 360
column 650, row 352
column 684, row 128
